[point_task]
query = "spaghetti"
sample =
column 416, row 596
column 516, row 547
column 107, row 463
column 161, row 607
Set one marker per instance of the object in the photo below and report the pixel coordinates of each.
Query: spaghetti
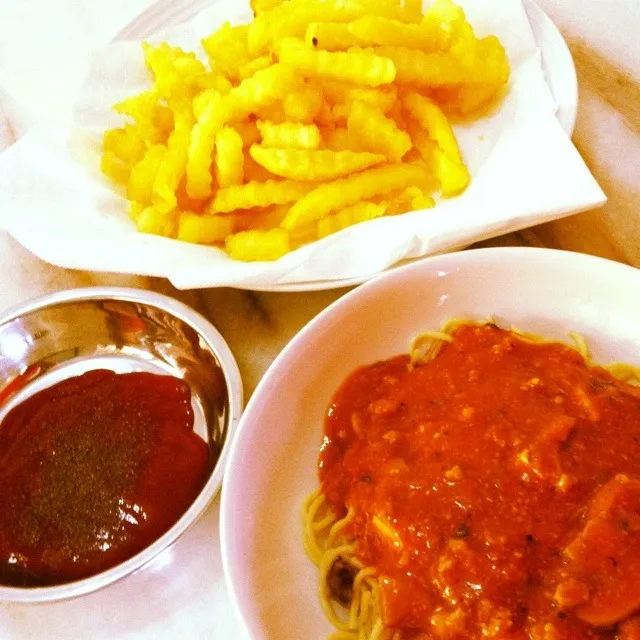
column 361, row 527
column 326, row 542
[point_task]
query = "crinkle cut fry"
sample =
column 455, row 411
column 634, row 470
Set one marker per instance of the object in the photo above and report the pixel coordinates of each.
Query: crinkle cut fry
column 263, row 88
column 344, row 192
column 258, row 245
column 291, row 18
column 258, row 194
column 304, row 105
column 432, row 120
column 330, row 36
column 425, row 69
column 375, row 30
column 357, row 66
column 355, row 214
column 301, row 71
column 214, row 114
column 376, row 132
column 204, row 229
column 229, row 159
column 313, row 165
column 289, row 135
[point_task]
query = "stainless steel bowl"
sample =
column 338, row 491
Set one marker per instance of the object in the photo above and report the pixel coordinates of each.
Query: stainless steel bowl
column 68, row 333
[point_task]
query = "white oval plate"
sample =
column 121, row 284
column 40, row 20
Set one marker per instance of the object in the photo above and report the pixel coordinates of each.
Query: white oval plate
column 557, row 64
column 273, row 460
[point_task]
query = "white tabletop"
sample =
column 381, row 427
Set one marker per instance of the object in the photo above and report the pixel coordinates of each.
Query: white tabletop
column 44, row 47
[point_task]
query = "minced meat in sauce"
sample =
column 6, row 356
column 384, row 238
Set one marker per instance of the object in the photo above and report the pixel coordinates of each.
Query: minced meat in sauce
column 502, row 492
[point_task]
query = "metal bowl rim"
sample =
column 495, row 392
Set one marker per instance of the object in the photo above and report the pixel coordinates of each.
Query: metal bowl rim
column 234, row 388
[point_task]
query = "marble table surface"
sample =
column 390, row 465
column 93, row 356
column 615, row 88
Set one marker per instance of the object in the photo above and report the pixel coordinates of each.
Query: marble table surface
column 43, row 54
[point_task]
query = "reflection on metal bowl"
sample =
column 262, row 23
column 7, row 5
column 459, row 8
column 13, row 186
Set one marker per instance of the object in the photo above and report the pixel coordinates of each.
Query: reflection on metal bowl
column 124, row 330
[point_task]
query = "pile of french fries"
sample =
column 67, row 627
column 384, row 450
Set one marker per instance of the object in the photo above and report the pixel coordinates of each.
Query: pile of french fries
column 317, row 115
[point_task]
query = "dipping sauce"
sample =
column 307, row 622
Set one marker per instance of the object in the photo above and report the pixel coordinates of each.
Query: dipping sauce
column 496, row 490
column 92, row 470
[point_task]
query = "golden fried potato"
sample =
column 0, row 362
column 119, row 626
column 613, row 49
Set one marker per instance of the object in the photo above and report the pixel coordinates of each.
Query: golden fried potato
column 358, row 66
column 185, row 202
column 303, row 105
column 291, row 19
column 336, row 195
column 376, row 132
column 260, row 6
column 254, row 172
column 325, row 117
column 445, row 15
column 273, row 113
column 344, row 93
column 228, row 50
column 260, row 90
column 465, row 99
column 341, row 139
column 204, row 229
column 397, row 114
column 229, row 160
column 173, row 70
column 419, row 199
column 114, row 168
column 154, row 121
column 413, row 10
column 432, row 120
column 451, row 173
column 313, row 165
column 212, row 80
column 490, row 64
column 248, row 131
column 453, row 176
column 349, row 216
column 330, row 36
column 317, row 115
column 258, row 194
column 126, row 143
column 257, row 64
column 212, row 117
column 422, row 69
column 173, row 164
column 203, row 101
column 409, row 199
column 263, row 218
column 258, row 245
column 374, row 30
column 143, row 175
column 157, row 221
column 290, row 135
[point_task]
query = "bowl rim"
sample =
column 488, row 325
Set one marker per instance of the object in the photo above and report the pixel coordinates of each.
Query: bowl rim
column 462, row 260
column 233, row 383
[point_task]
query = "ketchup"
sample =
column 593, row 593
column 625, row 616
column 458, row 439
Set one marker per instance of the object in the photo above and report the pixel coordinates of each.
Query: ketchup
column 93, row 470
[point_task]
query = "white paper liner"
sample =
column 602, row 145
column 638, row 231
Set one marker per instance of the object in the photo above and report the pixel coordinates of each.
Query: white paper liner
column 524, row 170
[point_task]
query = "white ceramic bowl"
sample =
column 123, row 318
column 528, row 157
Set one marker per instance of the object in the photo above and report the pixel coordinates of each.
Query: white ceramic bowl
column 272, row 463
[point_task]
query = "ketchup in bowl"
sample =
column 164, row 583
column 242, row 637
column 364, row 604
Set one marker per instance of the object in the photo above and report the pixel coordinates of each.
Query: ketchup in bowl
column 93, row 470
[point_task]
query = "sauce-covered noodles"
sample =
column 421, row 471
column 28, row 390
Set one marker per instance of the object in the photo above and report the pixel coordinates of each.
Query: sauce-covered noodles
column 486, row 485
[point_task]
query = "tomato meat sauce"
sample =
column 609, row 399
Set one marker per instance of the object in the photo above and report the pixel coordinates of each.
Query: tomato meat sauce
column 92, row 470
column 496, row 489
